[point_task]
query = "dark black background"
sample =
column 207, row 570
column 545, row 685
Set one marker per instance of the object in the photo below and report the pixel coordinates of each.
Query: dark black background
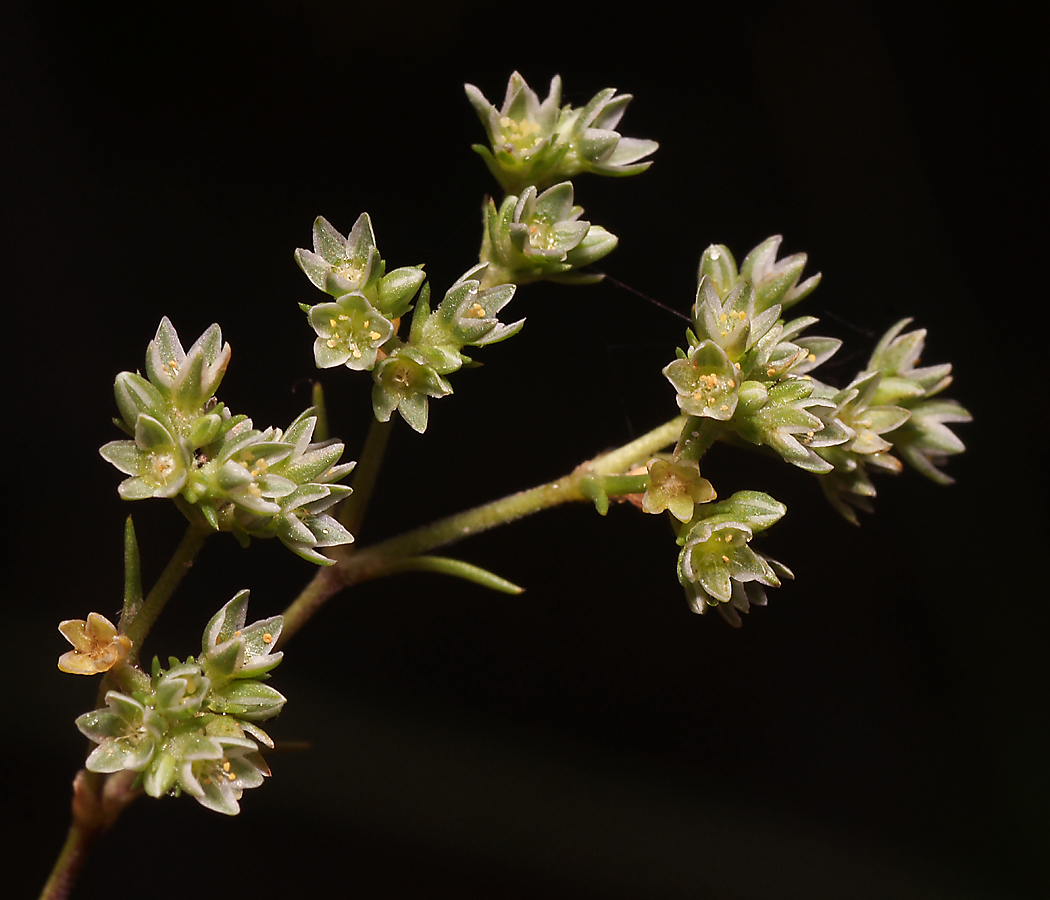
column 878, row 731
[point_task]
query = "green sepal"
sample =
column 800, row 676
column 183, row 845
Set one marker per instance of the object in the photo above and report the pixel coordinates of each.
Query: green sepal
column 135, row 395
column 248, row 699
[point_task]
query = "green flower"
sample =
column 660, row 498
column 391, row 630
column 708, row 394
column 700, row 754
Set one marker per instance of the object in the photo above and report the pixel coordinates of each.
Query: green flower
column 924, row 440
column 301, row 522
column 730, row 322
column 539, row 236
column 404, row 381
column 716, row 565
column 217, row 769
column 157, row 461
column 127, row 732
column 178, row 692
column 706, row 382
column 776, row 282
column 350, row 332
column 540, row 143
column 676, row 487
column 466, row 317
column 187, row 380
column 894, row 358
column 793, row 421
column 235, row 469
column 352, row 264
column 230, row 650
column 848, row 486
column 339, row 265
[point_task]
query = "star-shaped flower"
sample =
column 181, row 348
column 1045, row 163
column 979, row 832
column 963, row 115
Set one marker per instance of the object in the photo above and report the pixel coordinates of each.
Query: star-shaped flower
column 97, row 647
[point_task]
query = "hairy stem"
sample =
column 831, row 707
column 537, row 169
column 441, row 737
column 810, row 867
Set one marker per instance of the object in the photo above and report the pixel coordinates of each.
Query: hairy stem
column 382, row 558
column 698, row 435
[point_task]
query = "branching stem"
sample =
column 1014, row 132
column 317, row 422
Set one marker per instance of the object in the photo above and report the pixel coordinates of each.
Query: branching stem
column 382, row 558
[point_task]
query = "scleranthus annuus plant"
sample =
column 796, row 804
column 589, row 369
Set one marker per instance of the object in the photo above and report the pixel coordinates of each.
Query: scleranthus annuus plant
column 748, row 373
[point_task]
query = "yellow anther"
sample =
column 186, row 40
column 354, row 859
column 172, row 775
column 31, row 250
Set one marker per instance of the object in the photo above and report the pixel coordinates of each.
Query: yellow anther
column 267, row 637
column 374, row 335
column 330, row 342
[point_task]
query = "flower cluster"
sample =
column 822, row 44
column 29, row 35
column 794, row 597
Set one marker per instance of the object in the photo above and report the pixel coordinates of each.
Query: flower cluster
column 745, row 366
column 541, row 143
column 540, row 236
column 749, row 369
column 359, row 328
column 194, row 728
column 747, row 374
column 368, row 299
column 187, row 446
column 415, row 370
column 889, row 407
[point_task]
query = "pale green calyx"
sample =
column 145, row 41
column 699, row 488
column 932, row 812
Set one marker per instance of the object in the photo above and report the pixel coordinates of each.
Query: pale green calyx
column 188, row 447
column 350, row 332
column 415, row 371
column 194, row 729
column 539, row 236
column 924, row 440
column 776, row 282
column 540, row 143
column 716, row 565
column 344, row 265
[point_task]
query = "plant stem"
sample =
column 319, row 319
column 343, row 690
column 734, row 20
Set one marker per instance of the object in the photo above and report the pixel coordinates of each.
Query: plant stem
column 365, row 473
column 697, row 437
column 69, row 863
column 173, row 573
column 382, row 558
column 98, row 801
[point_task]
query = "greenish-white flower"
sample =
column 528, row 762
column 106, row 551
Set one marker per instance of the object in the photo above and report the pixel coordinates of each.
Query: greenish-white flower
column 404, row 381
column 127, row 732
column 540, row 236
column 706, row 382
column 350, row 332
column 539, row 143
column 716, row 565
